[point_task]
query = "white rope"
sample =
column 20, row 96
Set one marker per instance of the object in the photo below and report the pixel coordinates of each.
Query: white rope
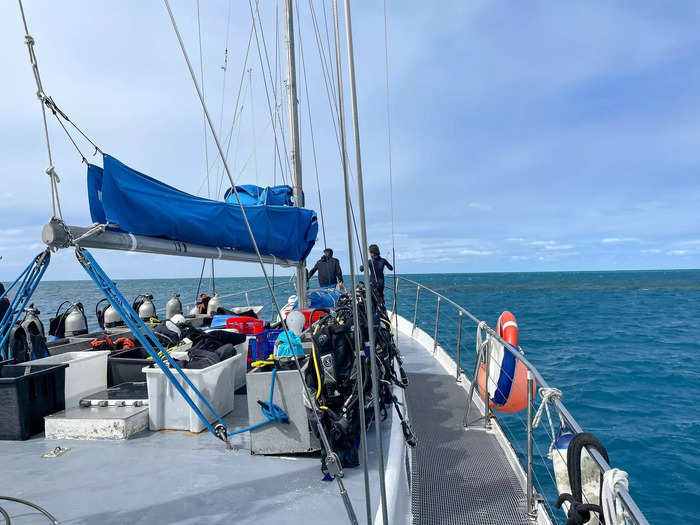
column 549, row 396
column 613, row 510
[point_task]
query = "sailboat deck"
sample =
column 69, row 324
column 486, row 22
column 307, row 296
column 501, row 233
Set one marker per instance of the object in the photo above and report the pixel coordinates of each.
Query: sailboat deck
column 174, row 477
column 458, row 476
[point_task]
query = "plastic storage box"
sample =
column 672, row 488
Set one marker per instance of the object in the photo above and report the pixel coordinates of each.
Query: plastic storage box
column 263, row 345
column 86, row 373
column 168, row 410
column 126, row 366
column 28, row 392
column 246, row 325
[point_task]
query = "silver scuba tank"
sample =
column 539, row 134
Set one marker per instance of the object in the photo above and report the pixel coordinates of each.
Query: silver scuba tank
column 75, row 324
column 147, row 309
column 173, row 306
column 32, row 319
column 112, row 318
column 214, row 304
column 194, row 310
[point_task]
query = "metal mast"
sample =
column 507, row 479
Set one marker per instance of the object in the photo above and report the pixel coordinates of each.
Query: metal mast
column 294, row 132
column 366, row 262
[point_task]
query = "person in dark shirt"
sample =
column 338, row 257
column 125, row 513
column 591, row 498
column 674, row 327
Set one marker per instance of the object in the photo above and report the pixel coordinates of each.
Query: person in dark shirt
column 328, row 268
column 376, row 266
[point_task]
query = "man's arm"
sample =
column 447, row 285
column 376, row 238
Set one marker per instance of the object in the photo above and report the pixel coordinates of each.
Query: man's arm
column 313, row 271
column 338, row 272
column 388, row 265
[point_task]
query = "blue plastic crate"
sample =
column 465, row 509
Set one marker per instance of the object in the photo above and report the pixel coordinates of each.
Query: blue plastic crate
column 263, row 345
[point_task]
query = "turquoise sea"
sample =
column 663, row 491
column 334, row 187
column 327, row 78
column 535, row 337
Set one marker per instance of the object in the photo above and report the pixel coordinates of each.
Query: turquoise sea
column 622, row 346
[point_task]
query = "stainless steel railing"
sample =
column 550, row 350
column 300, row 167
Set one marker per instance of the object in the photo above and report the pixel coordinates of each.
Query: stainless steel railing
column 532, row 375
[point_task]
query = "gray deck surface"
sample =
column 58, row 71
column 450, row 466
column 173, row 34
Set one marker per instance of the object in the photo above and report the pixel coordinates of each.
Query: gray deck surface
column 458, row 476
column 173, row 477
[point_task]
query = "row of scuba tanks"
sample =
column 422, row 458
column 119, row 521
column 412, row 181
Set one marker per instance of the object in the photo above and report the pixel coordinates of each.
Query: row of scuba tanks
column 143, row 305
column 28, row 337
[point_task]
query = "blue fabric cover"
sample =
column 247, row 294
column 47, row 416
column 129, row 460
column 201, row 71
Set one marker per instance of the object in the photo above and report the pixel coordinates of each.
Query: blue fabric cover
column 325, row 297
column 142, row 205
column 283, row 348
column 252, row 194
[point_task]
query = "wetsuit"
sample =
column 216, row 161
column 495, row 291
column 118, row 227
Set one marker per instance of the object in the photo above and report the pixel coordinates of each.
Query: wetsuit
column 329, row 272
column 377, row 263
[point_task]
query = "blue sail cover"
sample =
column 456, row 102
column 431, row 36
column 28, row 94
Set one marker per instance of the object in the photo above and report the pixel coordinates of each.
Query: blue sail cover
column 142, row 205
column 252, row 194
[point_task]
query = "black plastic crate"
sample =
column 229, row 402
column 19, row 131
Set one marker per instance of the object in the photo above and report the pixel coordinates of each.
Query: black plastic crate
column 125, row 366
column 27, row 394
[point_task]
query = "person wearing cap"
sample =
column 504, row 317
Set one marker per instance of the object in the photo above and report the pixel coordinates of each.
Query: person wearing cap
column 329, row 272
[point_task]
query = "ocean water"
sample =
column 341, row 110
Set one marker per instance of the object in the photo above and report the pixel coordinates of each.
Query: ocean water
column 622, row 346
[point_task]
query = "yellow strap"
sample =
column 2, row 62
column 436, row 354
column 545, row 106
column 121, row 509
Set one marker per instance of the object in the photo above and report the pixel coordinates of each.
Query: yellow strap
column 261, row 362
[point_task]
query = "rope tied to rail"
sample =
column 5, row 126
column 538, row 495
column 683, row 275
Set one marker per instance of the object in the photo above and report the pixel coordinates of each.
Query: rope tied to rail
column 272, row 412
column 549, row 396
column 613, row 510
column 579, row 512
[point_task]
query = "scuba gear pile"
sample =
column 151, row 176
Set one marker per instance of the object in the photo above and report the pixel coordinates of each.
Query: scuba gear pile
column 106, row 343
column 68, row 322
column 332, row 374
column 27, row 340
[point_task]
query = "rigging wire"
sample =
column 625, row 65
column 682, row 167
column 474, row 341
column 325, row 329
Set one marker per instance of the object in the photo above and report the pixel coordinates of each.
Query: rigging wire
column 204, row 126
column 50, row 171
column 388, row 137
column 252, row 122
column 363, row 232
column 332, row 459
column 359, row 347
column 267, row 92
column 311, row 127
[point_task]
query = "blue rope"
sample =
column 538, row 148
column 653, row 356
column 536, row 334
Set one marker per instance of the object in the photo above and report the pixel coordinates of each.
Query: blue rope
column 270, row 410
column 30, row 278
column 143, row 334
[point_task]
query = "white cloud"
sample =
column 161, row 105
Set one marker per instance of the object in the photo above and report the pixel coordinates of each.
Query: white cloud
column 678, row 252
column 651, row 250
column 558, row 247
column 480, row 206
column 476, row 252
column 542, row 243
column 618, row 240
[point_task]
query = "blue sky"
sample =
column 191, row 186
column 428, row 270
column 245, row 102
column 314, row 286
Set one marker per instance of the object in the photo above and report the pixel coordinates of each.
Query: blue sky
column 546, row 136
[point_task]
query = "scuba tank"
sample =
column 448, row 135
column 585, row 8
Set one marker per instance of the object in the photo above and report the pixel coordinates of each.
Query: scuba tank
column 59, row 325
column 214, row 304
column 107, row 316
column 194, row 310
column 173, row 306
column 75, row 322
column 34, row 332
column 144, row 307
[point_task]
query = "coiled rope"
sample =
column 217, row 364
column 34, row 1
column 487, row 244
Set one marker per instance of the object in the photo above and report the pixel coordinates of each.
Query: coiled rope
column 549, row 396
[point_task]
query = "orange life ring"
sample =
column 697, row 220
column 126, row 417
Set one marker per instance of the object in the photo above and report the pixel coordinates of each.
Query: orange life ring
column 507, row 374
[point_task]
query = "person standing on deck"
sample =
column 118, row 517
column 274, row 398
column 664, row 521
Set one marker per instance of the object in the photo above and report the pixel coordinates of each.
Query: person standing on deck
column 329, row 272
column 376, row 265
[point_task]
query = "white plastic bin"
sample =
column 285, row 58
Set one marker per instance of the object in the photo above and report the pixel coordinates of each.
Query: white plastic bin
column 168, row 410
column 86, row 373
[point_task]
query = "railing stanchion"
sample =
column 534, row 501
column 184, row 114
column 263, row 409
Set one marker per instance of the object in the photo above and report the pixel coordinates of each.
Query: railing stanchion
column 487, row 397
column 415, row 310
column 532, row 512
column 437, row 324
column 247, row 301
column 459, row 347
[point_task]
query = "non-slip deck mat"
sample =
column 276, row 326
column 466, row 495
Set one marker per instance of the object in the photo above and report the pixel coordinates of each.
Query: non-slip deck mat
column 458, row 476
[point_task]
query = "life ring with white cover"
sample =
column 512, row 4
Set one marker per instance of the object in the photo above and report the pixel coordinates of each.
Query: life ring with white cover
column 590, row 473
column 507, row 374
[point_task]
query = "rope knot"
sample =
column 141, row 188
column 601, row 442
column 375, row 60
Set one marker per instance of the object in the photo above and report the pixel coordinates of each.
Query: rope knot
column 51, row 172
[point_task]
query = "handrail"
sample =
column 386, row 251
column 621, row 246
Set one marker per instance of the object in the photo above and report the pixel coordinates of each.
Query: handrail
column 627, row 500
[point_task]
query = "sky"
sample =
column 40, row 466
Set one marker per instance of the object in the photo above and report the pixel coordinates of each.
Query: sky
column 533, row 136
